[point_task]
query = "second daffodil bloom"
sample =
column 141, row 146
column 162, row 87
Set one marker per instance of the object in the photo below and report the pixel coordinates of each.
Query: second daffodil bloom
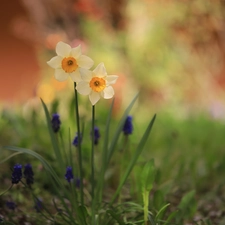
column 68, row 62
column 96, row 83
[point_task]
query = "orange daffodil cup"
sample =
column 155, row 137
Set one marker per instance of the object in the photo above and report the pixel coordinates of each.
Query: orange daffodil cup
column 96, row 84
column 70, row 62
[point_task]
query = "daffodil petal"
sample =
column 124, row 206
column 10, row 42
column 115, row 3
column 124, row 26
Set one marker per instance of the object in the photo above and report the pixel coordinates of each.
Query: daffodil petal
column 55, row 62
column 86, row 75
column 83, row 88
column 60, row 75
column 100, row 70
column 94, row 97
column 85, row 62
column 63, row 49
column 76, row 52
column 111, row 79
column 75, row 76
column 108, row 92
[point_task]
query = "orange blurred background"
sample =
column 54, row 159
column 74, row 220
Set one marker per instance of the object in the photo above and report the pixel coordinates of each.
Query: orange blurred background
column 19, row 64
column 172, row 51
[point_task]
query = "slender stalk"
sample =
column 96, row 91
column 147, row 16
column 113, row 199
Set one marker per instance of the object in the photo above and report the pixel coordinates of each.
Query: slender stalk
column 92, row 151
column 92, row 165
column 79, row 145
column 42, row 206
column 9, row 188
column 100, row 184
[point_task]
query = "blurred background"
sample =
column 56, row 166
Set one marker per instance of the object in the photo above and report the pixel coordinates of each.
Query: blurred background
column 172, row 51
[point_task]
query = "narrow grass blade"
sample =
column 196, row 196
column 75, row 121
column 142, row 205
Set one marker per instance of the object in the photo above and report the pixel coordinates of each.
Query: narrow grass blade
column 39, row 157
column 115, row 217
column 151, row 220
column 109, row 150
column 170, row 217
column 117, row 133
column 134, row 158
column 80, row 158
column 9, row 157
column 147, row 180
column 161, row 211
column 100, row 180
column 187, row 206
column 208, row 222
column 6, row 190
column 148, row 176
column 82, row 214
column 53, row 137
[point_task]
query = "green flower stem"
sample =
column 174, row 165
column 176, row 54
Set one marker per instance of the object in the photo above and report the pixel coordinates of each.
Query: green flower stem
column 63, row 146
column 9, row 188
column 79, row 146
column 92, row 165
column 43, row 206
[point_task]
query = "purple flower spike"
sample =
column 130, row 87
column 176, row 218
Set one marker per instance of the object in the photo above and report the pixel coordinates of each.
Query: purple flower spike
column 128, row 126
column 28, row 174
column 17, row 174
column 38, row 205
column 55, row 122
column 75, row 140
column 69, row 174
column 11, row 205
column 96, row 135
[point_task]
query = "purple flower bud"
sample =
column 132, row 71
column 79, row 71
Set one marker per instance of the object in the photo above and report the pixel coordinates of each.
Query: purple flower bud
column 96, row 135
column 128, row 126
column 55, row 122
column 75, row 140
column 17, row 174
column 11, row 205
column 38, row 205
column 28, row 174
column 69, row 174
column 77, row 182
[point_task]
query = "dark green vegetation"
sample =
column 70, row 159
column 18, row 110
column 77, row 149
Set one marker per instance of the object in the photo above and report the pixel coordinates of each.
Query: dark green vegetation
column 188, row 154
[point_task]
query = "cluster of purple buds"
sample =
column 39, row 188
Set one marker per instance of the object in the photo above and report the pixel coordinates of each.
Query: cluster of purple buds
column 17, row 174
column 28, row 174
column 69, row 174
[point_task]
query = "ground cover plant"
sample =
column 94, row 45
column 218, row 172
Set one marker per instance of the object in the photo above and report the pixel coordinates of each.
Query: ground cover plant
column 106, row 172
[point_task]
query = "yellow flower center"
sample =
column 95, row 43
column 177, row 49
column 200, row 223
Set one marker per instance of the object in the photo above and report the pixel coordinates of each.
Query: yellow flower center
column 69, row 64
column 97, row 84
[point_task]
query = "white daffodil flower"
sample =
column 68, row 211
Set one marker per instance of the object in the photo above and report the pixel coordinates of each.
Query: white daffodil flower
column 96, row 84
column 68, row 62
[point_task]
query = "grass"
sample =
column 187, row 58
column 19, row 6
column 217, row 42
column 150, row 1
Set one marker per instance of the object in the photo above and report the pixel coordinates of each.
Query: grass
column 189, row 155
column 189, row 169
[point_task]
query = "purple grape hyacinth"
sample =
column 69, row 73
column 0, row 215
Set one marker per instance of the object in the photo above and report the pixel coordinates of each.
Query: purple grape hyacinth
column 28, row 174
column 128, row 126
column 69, row 174
column 55, row 122
column 17, row 174
column 11, row 205
column 38, row 205
column 75, row 140
column 96, row 135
